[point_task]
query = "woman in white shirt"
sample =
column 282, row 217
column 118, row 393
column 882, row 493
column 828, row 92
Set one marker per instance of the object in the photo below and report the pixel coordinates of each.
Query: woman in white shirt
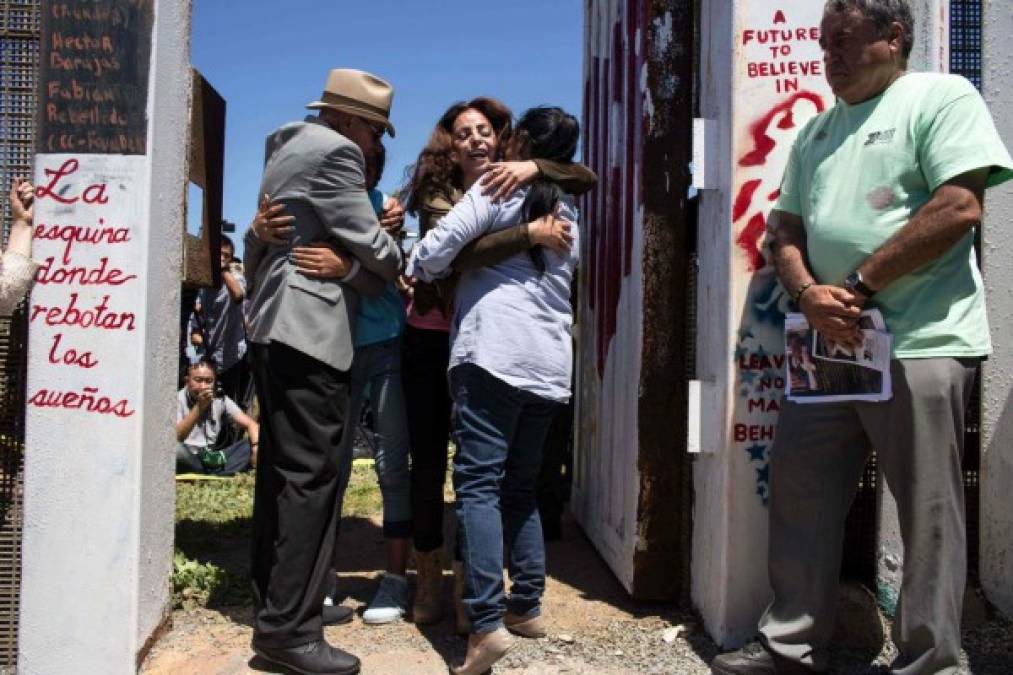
column 510, row 363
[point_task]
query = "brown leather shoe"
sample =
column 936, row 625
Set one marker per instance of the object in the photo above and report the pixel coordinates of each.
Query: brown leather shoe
column 529, row 627
column 462, row 623
column 483, row 651
column 428, row 607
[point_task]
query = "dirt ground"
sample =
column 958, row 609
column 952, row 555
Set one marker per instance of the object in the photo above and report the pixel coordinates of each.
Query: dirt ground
column 594, row 626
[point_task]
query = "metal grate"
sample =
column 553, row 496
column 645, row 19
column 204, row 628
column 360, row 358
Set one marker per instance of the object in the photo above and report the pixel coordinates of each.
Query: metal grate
column 858, row 559
column 965, row 59
column 965, row 39
column 19, row 55
column 972, row 461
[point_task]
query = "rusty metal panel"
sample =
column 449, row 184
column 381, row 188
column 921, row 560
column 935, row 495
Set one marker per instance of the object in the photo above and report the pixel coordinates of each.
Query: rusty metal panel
column 630, row 492
column 201, row 264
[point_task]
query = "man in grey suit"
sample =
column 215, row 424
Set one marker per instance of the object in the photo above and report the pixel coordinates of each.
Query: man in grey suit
column 301, row 339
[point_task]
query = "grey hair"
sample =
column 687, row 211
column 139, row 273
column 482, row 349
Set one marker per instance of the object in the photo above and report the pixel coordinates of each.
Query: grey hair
column 883, row 14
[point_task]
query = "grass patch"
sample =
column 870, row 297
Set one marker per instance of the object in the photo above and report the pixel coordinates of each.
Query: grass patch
column 215, row 501
column 199, row 584
column 213, row 525
column 362, row 498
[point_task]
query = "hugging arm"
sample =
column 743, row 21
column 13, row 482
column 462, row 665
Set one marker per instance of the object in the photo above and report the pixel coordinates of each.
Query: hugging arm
column 435, row 253
column 337, row 192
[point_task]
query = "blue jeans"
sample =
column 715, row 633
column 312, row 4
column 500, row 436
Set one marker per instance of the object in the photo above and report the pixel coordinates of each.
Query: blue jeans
column 376, row 377
column 499, row 431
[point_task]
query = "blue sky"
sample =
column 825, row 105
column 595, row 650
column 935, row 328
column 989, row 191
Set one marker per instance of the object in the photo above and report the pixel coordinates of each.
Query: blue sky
column 268, row 59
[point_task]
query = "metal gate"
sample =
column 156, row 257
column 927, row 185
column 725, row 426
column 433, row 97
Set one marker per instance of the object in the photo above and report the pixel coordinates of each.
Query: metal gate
column 965, row 59
column 19, row 55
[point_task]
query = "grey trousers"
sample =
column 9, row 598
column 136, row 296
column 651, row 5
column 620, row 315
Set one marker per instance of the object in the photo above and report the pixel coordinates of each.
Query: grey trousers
column 816, row 463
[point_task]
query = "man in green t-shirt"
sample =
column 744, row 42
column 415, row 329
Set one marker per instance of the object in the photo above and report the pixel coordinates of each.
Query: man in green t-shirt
column 878, row 208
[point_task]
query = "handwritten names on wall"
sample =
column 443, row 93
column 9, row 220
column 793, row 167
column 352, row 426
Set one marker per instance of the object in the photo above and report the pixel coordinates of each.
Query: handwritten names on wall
column 84, row 309
column 93, row 79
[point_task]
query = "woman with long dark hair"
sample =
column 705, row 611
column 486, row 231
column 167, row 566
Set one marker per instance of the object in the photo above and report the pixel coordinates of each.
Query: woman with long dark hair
column 462, row 149
column 510, row 367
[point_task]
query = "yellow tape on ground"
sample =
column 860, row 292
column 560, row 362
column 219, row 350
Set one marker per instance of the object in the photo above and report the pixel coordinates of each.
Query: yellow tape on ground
column 201, row 476
column 204, row 476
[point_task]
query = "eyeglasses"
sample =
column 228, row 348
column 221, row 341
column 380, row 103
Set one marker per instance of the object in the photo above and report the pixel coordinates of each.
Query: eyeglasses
column 377, row 130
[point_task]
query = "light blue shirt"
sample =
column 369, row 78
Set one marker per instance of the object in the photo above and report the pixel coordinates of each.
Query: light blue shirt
column 507, row 320
column 381, row 318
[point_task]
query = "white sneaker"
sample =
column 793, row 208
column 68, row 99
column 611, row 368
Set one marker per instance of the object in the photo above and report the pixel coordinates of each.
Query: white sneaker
column 390, row 602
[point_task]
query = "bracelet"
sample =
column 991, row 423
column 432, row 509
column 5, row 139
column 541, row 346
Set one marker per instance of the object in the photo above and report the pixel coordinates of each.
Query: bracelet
column 797, row 296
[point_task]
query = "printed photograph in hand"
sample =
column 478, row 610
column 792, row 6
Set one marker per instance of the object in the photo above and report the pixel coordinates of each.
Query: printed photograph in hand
column 862, row 355
column 801, row 369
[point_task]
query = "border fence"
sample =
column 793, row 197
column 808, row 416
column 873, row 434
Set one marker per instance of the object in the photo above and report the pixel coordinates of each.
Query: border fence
column 19, row 56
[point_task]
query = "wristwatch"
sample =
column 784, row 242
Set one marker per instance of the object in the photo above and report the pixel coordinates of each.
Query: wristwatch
column 854, row 282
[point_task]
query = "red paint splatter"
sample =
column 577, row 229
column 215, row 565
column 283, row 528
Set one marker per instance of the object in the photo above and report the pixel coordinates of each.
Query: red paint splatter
column 774, row 195
column 610, row 210
column 745, row 198
column 763, row 144
column 749, row 241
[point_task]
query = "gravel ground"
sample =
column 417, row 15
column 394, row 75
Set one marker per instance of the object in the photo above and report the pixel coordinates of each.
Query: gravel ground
column 594, row 626
column 205, row 641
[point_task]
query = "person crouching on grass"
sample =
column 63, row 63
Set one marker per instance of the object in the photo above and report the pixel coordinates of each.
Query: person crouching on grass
column 199, row 427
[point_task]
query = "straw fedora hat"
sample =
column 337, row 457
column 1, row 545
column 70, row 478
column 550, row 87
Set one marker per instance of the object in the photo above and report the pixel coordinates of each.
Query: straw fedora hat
column 358, row 93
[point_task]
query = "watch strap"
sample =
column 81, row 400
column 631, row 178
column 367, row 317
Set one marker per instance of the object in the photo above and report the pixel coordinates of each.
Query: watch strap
column 862, row 288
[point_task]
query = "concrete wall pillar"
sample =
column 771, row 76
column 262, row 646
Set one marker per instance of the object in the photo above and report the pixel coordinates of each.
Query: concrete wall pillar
column 754, row 97
column 99, row 490
column 996, row 476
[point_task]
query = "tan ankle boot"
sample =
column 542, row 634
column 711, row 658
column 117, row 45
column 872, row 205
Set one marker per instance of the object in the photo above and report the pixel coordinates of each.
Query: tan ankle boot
column 529, row 627
column 483, row 651
column 428, row 607
column 462, row 622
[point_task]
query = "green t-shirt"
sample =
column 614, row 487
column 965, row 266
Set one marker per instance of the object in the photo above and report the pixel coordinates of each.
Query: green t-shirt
column 856, row 175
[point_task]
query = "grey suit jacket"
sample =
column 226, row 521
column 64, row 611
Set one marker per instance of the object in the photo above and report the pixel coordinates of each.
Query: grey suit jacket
column 318, row 174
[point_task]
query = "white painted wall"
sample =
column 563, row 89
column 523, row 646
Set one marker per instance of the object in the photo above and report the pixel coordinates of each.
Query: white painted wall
column 740, row 304
column 996, row 476
column 99, row 487
column 713, row 590
column 155, row 494
column 607, row 481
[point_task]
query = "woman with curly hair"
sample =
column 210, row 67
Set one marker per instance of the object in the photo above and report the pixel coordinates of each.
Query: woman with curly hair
column 464, row 147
